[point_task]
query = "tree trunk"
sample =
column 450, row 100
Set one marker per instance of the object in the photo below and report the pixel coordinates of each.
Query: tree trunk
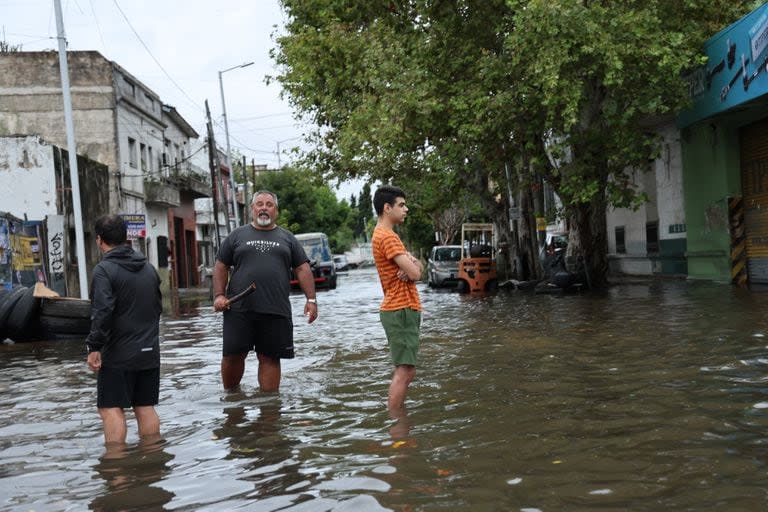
column 588, row 239
column 529, row 247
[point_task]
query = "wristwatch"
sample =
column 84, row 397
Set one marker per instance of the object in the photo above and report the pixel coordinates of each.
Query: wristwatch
column 312, row 301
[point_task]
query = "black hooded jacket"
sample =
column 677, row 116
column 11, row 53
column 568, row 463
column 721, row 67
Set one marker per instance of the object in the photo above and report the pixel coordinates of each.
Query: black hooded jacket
column 125, row 311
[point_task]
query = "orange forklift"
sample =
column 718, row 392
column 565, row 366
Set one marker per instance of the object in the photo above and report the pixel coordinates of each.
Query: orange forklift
column 477, row 267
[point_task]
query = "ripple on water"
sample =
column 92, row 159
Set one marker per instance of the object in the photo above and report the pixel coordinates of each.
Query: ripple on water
column 647, row 396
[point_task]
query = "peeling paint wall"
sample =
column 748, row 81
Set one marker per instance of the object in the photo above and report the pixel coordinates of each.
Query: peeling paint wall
column 27, row 177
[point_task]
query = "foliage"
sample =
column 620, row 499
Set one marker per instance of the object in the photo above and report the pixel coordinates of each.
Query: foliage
column 306, row 205
column 442, row 95
column 6, row 47
column 364, row 212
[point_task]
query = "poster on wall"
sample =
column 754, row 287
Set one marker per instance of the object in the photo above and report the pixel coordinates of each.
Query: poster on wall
column 56, row 252
column 137, row 225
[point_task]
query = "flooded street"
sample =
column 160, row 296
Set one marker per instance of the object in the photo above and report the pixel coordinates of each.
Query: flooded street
column 649, row 396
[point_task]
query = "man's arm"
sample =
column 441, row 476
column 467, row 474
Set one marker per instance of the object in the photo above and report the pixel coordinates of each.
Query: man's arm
column 102, row 309
column 410, row 267
column 220, row 280
column 307, row 284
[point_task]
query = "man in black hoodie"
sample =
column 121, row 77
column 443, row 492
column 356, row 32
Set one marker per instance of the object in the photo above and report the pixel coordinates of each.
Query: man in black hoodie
column 124, row 344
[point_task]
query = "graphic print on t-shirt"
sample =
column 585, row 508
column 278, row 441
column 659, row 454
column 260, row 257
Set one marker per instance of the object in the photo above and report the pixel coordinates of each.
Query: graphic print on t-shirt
column 263, row 245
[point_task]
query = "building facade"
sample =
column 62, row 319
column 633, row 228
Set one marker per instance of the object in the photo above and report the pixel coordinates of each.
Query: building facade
column 119, row 122
column 35, row 186
column 725, row 156
column 652, row 239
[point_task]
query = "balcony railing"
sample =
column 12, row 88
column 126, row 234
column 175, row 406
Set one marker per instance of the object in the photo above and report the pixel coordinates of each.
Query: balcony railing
column 160, row 191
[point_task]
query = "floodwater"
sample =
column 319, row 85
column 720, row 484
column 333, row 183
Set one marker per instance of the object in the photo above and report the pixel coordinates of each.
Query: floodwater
column 649, row 396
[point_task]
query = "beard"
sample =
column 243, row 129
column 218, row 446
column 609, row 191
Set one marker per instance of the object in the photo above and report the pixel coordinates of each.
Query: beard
column 263, row 221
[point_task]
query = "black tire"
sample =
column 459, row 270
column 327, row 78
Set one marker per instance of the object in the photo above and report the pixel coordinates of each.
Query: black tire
column 6, row 307
column 492, row 285
column 19, row 321
column 462, row 286
column 66, row 307
column 57, row 325
column 333, row 282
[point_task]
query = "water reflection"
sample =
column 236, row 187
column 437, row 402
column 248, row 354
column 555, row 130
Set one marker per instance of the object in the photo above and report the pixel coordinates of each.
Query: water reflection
column 132, row 477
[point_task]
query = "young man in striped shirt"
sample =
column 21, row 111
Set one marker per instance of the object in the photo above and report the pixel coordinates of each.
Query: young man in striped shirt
column 400, row 311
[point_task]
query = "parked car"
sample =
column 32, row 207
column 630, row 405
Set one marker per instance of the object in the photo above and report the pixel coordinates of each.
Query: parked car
column 443, row 265
column 340, row 262
column 318, row 251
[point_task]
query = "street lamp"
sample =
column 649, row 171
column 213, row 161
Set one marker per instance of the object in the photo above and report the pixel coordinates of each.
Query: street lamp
column 226, row 133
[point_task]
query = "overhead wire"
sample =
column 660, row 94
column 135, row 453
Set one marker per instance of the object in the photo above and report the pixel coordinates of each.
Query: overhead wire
column 193, row 102
column 98, row 27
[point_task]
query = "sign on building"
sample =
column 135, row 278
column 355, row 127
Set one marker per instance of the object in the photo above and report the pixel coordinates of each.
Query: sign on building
column 136, row 224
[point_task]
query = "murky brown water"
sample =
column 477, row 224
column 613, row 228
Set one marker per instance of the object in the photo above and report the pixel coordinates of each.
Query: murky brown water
column 647, row 397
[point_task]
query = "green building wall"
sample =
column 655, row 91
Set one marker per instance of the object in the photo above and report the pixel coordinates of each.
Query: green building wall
column 710, row 176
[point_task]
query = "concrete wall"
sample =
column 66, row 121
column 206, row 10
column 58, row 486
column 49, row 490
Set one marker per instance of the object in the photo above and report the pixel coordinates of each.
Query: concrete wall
column 109, row 105
column 31, row 100
column 27, row 177
column 35, row 184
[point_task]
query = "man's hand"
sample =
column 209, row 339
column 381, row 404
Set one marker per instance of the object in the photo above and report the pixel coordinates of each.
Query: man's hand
column 402, row 274
column 220, row 303
column 94, row 361
column 310, row 311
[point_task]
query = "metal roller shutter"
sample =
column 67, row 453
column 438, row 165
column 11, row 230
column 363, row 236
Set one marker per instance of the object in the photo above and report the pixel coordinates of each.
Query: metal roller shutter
column 754, row 180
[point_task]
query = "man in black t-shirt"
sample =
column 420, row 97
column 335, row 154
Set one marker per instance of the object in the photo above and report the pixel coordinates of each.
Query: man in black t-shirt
column 265, row 254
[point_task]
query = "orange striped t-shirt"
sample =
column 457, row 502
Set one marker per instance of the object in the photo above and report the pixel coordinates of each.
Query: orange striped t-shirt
column 397, row 294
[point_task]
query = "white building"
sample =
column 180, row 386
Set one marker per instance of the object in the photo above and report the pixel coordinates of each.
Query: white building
column 652, row 239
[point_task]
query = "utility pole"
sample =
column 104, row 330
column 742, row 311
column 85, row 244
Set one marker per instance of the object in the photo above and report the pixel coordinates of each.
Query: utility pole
column 246, row 202
column 253, row 173
column 213, row 165
column 226, row 134
column 72, row 150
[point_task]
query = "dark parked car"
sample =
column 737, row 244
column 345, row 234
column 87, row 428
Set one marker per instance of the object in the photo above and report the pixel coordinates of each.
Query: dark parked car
column 443, row 265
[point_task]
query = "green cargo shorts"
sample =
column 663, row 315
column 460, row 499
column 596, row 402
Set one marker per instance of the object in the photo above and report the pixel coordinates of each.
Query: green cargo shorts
column 402, row 328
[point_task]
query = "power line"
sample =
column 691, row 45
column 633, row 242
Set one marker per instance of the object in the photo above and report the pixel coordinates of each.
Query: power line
column 265, row 116
column 98, row 28
column 155, row 59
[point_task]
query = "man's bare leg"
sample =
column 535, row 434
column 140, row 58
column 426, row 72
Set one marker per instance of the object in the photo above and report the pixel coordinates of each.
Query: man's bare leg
column 269, row 373
column 398, row 388
column 148, row 420
column 232, row 369
column 115, row 429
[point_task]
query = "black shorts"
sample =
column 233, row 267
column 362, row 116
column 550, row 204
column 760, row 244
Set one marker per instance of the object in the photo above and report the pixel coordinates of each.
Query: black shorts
column 271, row 335
column 116, row 387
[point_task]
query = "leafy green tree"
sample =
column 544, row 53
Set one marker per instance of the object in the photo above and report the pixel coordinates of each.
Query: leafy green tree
column 449, row 95
column 307, row 205
column 593, row 78
column 364, row 211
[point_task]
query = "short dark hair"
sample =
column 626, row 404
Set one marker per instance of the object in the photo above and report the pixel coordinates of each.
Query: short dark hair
column 386, row 194
column 111, row 229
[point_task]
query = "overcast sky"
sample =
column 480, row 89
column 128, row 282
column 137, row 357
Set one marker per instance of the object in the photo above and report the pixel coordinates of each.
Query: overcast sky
column 187, row 43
